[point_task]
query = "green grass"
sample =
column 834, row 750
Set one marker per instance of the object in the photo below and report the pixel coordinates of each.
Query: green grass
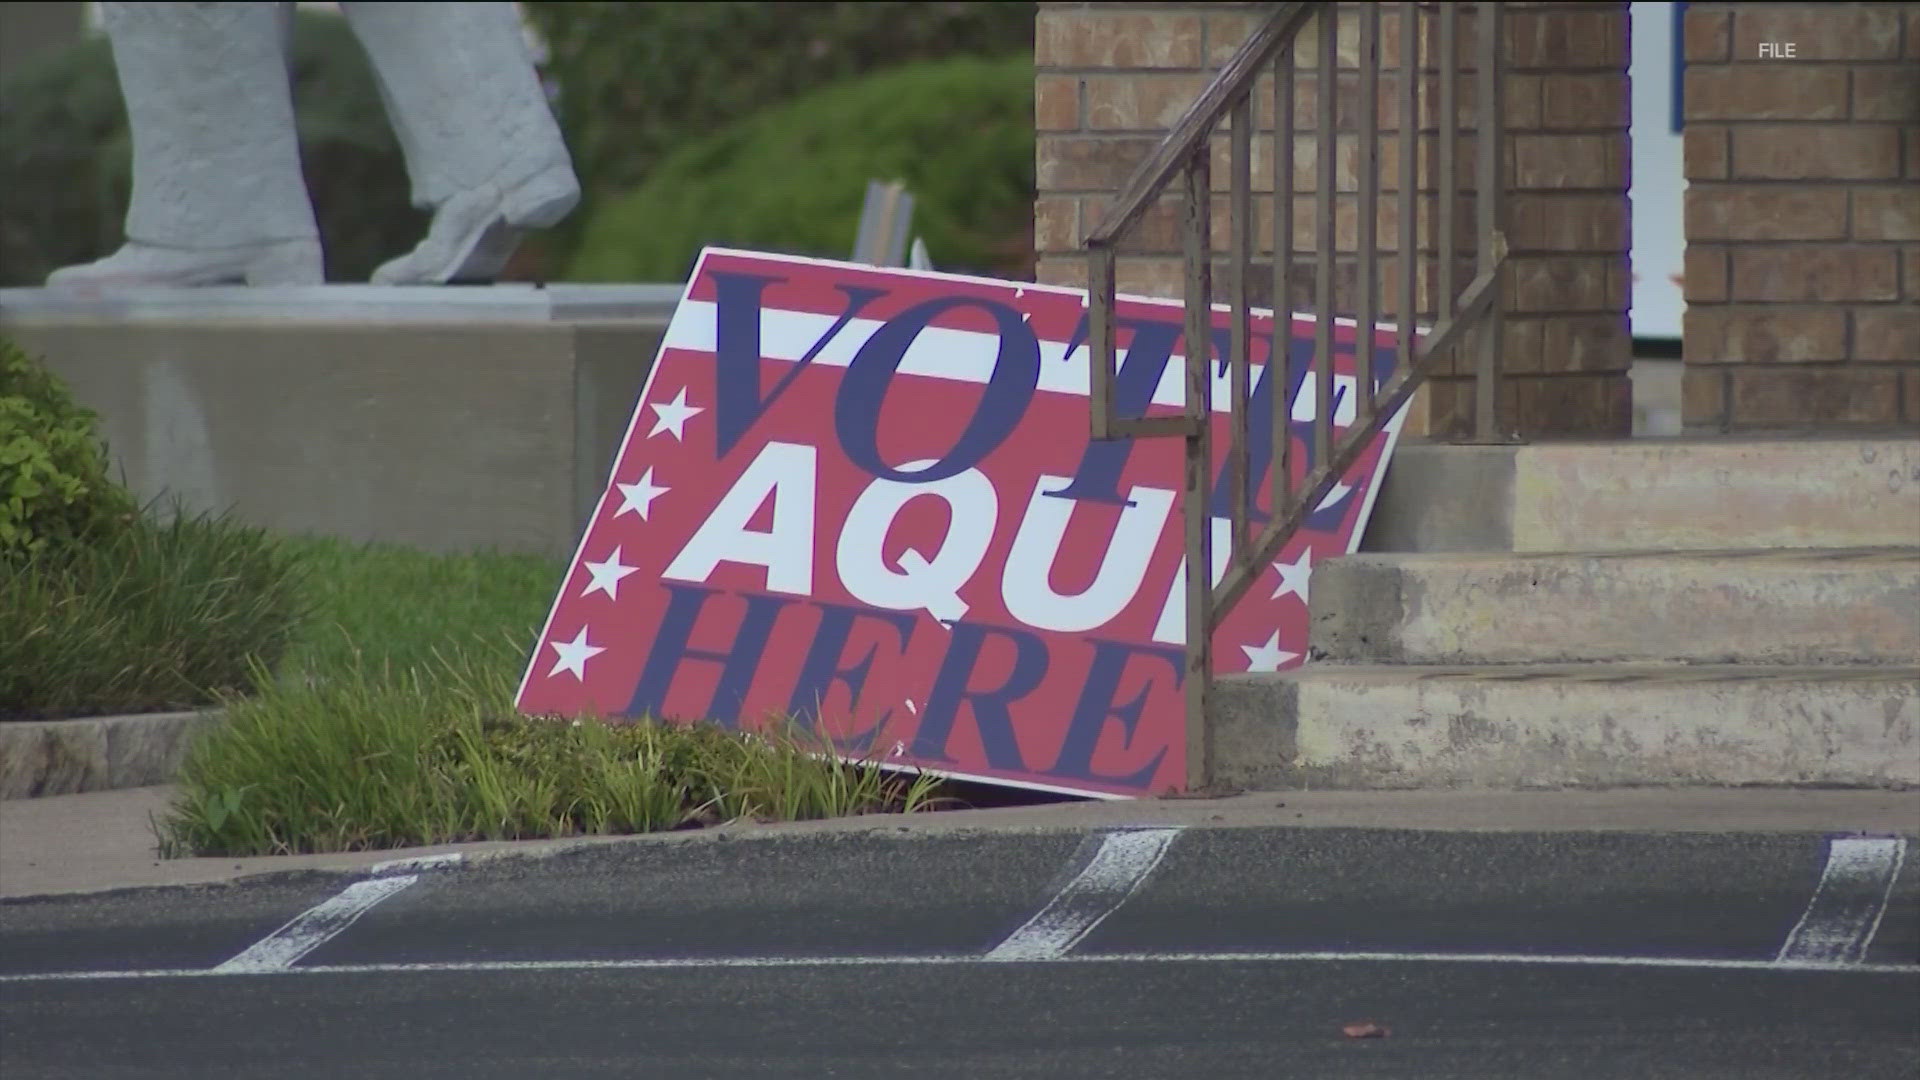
column 390, row 723
column 375, row 606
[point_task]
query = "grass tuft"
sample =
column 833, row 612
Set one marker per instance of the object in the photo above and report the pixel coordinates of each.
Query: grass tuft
column 157, row 615
column 391, row 724
column 380, row 758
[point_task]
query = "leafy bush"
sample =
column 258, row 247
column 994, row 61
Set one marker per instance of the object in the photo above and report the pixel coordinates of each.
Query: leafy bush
column 383, row 757
column 637, row 81
column 66, row 157
column 54, row 487
column 158, row 615
column 958, row 132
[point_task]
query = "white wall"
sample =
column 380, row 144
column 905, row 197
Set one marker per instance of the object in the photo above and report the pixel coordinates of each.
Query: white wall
column 1659, row 185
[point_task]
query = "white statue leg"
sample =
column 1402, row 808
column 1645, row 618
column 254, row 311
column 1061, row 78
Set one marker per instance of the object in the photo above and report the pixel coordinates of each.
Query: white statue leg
column 217, row 191
column 481, row 143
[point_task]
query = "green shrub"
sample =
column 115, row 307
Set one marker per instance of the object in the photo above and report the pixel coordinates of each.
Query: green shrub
column 958, row 132
column 54, row 487
column 381, row 757
column 65, row 157
column 637, row 81
column 158, row 615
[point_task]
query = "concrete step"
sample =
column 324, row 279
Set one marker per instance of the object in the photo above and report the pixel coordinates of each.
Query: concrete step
column 1696, row 493
column 1791, row 606
column 1392, row 725
column 1656, row 397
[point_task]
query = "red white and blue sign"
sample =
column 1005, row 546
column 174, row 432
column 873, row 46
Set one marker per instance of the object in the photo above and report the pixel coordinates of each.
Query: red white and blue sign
column 866, row 498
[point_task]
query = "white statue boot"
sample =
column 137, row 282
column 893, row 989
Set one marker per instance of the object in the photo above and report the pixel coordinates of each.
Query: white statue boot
column 217, row 192
column 481, row 144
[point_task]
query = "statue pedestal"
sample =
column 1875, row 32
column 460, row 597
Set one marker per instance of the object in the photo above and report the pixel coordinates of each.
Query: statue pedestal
column 445, row 418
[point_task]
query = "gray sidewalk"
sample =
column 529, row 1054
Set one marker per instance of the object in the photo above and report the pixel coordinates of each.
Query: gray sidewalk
column 103, row 840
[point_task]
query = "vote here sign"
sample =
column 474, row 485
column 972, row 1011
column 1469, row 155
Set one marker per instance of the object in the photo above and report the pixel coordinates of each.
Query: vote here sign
column 866, row 499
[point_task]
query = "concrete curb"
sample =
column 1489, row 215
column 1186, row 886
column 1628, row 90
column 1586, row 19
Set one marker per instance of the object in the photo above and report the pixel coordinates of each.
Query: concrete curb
column 99, row 753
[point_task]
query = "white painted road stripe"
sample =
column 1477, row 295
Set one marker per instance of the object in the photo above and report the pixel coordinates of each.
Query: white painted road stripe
column 279, row 950
column 1123, row 861
column 1849, row 902
column 697, row 963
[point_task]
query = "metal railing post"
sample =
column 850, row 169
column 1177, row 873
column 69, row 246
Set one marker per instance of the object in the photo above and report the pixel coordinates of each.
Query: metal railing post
column 1280, row 466
column 1489, row 182
column 1240, row 318
column 1366, row 257
column 1408, row 263
column 1100, row 339
column 1325, row 231
column 1447, row 175
column 1197, row 225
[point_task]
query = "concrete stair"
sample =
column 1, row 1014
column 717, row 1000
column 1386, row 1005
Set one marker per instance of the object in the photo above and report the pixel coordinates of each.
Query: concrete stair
column 1654, row 612
column 1806, row 606
column 1650, row 495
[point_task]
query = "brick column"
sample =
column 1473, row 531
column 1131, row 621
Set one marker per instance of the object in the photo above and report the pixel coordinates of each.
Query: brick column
column 1109, row 79
column 1567, row 113
column 1802, row 217
column 1112, row 77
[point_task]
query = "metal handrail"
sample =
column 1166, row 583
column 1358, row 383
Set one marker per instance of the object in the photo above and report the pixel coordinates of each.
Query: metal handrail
column 1186, row 154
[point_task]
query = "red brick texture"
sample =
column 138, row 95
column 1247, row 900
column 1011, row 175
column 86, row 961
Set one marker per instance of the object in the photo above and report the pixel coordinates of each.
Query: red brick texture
column 1112, row 77
column 1802, row 217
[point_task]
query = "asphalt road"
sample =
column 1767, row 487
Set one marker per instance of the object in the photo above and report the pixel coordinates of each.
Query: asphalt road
column 1213, row 953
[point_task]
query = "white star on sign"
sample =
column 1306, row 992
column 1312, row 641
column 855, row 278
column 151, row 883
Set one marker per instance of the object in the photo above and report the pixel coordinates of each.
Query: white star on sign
column 638, row 496
column 1267, row 657
column 674, row 416
column 574, row 655
column 1294, row 576
column 607, row 575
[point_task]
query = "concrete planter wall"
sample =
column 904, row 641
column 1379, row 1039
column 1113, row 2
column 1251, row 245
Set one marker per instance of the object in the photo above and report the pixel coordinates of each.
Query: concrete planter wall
column 447, row 419
column 65, row 757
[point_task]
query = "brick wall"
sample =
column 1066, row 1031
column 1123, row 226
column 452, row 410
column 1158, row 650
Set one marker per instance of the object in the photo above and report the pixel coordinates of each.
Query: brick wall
column 1802, row 217
column 1112, row 77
